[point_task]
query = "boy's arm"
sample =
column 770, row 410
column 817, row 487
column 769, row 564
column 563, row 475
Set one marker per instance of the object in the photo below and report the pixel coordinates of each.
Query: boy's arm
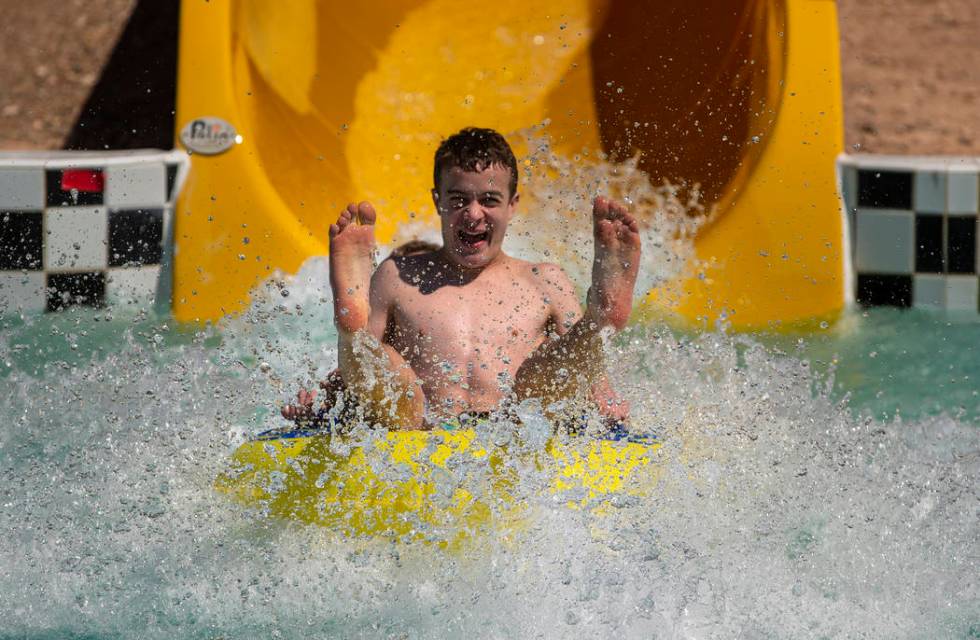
column 583, row 352
column 374, row 371
column 565, row 308
column 379, row 297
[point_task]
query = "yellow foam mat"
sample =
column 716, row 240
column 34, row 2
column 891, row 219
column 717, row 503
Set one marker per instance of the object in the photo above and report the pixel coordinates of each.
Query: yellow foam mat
column 440, row 486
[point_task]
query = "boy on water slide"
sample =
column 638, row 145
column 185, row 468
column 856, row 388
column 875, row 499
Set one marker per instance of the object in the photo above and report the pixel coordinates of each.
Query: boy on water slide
column 431, row 335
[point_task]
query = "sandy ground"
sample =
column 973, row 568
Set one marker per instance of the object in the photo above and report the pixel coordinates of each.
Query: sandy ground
column 911, row 76
column 911, row 71
column 53, row 51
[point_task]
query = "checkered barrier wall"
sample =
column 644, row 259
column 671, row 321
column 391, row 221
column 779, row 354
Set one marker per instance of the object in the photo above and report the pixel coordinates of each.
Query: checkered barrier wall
column 86, row 228
column 913, row 225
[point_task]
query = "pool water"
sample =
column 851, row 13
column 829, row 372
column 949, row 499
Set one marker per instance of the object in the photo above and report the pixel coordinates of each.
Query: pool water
column 893, row 363
column 813, row 486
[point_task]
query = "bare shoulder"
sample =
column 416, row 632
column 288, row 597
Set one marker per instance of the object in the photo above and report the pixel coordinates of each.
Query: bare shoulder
column 556, row 288
column 549, row 280
column 549, row 277
column 386, row 274
column 399, row 274
column 384, row 282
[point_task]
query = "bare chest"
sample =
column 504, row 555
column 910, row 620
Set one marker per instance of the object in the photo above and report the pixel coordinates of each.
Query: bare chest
column 470, row 335
column 473, row 316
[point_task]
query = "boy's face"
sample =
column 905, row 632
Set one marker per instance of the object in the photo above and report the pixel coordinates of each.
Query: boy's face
column 474, row 207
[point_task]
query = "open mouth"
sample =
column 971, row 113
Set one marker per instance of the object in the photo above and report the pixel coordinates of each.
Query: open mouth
column 472, row 239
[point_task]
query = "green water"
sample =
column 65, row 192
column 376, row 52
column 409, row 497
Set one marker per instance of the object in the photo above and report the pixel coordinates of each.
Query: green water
column 891, row 362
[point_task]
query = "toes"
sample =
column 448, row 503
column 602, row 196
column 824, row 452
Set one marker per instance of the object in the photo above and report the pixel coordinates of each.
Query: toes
column 366, row 213
column 606, row 209
column 600, row 208
column 346, row 216
column 350, row 213
column 631, row 231
column 617, row 211
column 606, row 231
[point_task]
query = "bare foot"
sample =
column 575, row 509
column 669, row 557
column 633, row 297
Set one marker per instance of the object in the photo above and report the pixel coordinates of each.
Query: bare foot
column 616, row 263
column 351, row 265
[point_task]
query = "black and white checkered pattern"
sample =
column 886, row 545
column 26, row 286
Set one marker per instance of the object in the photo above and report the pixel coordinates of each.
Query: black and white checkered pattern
column 913, row 227
column 103, row 246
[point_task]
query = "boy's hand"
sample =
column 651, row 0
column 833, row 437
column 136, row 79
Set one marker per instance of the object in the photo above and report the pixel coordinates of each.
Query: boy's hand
column 303, row 410
column 333, row 385
column 610, row 404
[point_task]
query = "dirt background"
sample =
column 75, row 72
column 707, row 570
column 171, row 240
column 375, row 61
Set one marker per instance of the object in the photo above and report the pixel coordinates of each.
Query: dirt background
column 911, row 71
column 911, row 76
column 53, row 53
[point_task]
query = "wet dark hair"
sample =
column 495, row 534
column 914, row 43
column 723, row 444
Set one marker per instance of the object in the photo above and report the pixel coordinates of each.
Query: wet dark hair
column 475, row 149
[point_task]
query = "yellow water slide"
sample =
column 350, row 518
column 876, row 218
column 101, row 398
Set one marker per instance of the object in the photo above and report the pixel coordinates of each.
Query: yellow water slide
column 335, row 102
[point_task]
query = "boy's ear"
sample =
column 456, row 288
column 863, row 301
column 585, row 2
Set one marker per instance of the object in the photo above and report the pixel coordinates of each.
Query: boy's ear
column 512, row 205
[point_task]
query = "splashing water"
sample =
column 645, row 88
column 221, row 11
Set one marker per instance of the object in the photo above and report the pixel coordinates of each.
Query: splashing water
column 780, row 511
